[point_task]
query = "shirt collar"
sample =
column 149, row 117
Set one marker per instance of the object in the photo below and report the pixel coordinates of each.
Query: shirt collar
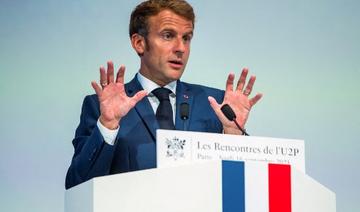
column 149, row 85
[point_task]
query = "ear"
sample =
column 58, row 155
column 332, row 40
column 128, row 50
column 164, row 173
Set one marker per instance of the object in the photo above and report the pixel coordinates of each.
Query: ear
column 138, row 43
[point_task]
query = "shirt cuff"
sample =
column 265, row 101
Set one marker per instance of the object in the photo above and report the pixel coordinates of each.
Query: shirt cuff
column 108, row 135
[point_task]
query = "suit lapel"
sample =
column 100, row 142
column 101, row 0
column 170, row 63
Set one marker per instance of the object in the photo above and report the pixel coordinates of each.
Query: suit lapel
column 183, row 95
column 143, row 108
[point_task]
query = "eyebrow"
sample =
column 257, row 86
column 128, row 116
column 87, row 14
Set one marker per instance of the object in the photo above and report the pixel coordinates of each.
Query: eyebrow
column 191, row 32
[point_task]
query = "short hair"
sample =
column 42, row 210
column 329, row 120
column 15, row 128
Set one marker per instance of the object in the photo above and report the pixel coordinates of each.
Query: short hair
column 140, row 15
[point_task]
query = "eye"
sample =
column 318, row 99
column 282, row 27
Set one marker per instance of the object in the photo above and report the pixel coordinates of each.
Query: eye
column 167, row 35
column 187, row 38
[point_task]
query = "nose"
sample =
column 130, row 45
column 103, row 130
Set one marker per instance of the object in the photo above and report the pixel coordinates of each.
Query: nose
column 180, row 47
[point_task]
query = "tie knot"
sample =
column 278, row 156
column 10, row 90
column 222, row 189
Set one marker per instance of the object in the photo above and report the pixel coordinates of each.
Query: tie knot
column 162, row 93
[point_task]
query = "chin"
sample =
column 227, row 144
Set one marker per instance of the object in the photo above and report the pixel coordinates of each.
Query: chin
column 176, row 74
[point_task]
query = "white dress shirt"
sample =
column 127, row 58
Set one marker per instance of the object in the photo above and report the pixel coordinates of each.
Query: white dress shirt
column 148, row 85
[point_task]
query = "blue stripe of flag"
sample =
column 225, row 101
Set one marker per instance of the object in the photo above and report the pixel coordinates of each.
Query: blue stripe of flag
column 233, row 186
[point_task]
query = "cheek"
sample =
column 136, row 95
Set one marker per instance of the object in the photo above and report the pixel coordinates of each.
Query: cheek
column 187, row 51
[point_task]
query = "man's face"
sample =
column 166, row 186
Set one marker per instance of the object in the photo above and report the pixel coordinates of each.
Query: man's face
column 167, row 47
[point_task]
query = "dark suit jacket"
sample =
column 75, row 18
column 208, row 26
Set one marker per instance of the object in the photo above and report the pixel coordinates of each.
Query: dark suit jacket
column 134, row 147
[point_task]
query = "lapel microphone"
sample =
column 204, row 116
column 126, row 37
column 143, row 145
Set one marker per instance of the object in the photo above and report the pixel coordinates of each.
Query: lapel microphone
column 229, row 113
column 184, row 113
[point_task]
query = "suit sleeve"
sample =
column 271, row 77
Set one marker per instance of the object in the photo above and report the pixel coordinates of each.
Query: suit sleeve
column 92, row 156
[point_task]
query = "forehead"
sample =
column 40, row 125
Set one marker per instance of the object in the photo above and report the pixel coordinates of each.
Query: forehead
column 168, row 19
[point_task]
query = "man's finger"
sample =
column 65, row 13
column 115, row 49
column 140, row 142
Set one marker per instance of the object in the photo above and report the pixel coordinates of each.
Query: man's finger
column 138, row 96
column 217, row 109
column 103, row 78
column 242, row 79
column 110, row 72
column 96, row 88
column 230, row 82
column 255, row 99
column 120, row 74
column 249, row 86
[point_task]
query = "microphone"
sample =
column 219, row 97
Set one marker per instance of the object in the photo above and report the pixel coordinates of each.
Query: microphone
column 229, row 113
column 184, row 113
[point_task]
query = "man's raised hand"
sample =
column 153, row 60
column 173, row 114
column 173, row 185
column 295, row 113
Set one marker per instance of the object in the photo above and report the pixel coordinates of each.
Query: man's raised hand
column 238, row 100
column 114, row 102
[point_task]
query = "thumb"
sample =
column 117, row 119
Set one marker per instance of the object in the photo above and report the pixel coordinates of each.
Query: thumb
column 217, row 109
column 138, row 96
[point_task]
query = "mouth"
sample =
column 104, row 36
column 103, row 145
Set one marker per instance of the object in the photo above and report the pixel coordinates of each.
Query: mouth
column 176, row 64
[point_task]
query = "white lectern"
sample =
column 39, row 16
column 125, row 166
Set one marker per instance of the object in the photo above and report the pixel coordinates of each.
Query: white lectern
column 212, row 186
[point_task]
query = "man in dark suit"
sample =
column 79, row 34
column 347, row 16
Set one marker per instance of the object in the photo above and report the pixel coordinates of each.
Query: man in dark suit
column 117, row 130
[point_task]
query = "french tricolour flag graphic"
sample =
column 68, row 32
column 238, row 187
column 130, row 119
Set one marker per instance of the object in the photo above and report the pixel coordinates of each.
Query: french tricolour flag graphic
column 267, row 187
column 211, row 186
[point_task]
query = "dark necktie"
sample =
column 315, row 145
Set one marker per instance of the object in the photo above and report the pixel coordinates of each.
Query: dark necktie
column 164, row 113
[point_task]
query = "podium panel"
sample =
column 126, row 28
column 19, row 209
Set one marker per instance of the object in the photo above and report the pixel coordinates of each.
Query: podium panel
column 214, row 186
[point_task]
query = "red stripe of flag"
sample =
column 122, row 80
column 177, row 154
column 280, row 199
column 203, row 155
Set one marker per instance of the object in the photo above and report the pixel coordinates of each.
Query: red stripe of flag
column 279, row 188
